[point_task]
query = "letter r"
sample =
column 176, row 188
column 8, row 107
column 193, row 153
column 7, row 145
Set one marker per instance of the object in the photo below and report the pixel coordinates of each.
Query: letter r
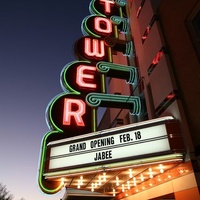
column 69, row 112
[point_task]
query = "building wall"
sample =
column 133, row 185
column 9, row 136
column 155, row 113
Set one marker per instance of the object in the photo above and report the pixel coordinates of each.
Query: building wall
column 184, row 58
column 177, row 71
column 172, row 85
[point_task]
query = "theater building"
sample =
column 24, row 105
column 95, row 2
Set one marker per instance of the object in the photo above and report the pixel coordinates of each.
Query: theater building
column 167, row 52
column 151, row 151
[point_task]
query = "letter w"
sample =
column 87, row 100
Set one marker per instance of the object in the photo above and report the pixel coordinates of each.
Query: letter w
column 94, row 47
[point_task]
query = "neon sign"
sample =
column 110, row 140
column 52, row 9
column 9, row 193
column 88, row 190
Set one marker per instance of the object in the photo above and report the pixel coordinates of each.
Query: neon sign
column 80, row 76
column 107, row 5
column 69, row 112
column 74, row 112
column 94, row 48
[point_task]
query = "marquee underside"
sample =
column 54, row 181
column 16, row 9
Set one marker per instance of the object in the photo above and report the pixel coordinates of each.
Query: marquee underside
column 124, row 181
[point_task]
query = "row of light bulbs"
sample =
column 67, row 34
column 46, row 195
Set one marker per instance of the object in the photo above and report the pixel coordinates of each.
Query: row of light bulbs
column 130, row 183
column 102, row 178
column 141, row 176
column 93, row 185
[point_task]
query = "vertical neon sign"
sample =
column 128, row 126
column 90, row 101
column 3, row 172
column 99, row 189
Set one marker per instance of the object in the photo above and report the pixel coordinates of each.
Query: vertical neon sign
column 68, row 113
column 74, row 112
column 80, row 76
column 94, row 48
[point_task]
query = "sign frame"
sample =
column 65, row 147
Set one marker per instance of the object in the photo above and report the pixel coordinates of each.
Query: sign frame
column 172, row 135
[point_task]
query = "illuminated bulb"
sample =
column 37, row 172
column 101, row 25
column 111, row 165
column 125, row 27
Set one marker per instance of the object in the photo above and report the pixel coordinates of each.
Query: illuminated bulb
column 126, row 194
column 161, row 168
column 122, row 187
column 169, row 176
column 99, row 180
column 113, row 192
column 143, row 188
column 150, row 184
column 78, row 186
column 150, row 171
column 81, row 180
column 117, row 181
column 134, row 181
column 92, row 188
column 128, row 185
column 142, row 177
column 104, row 176
column 130, row 173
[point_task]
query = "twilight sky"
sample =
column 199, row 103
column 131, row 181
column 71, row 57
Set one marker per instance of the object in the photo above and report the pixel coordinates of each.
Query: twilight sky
column 36, row 41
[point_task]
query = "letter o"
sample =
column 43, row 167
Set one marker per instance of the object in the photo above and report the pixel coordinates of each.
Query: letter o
column 98, row 21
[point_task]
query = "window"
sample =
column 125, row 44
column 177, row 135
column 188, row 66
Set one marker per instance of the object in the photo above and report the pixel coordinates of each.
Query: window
column 156, row 60
column 140, row 8
column 196, row 25
column 120, row 122
column 148, row 29
column 193, row 23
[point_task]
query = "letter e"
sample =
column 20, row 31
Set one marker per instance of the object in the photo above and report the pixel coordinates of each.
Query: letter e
column 81, row 77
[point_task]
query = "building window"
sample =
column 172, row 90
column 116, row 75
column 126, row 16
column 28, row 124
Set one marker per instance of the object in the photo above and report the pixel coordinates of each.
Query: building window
column 117, row 93
column 156, row 60
column 196, row 25
column 166, row 102
column 193, row 23
column 140, row 8
column 148, row 29
column 120, row 122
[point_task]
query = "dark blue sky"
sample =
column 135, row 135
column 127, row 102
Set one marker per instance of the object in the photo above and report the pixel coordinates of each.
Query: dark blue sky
column 36, row 41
